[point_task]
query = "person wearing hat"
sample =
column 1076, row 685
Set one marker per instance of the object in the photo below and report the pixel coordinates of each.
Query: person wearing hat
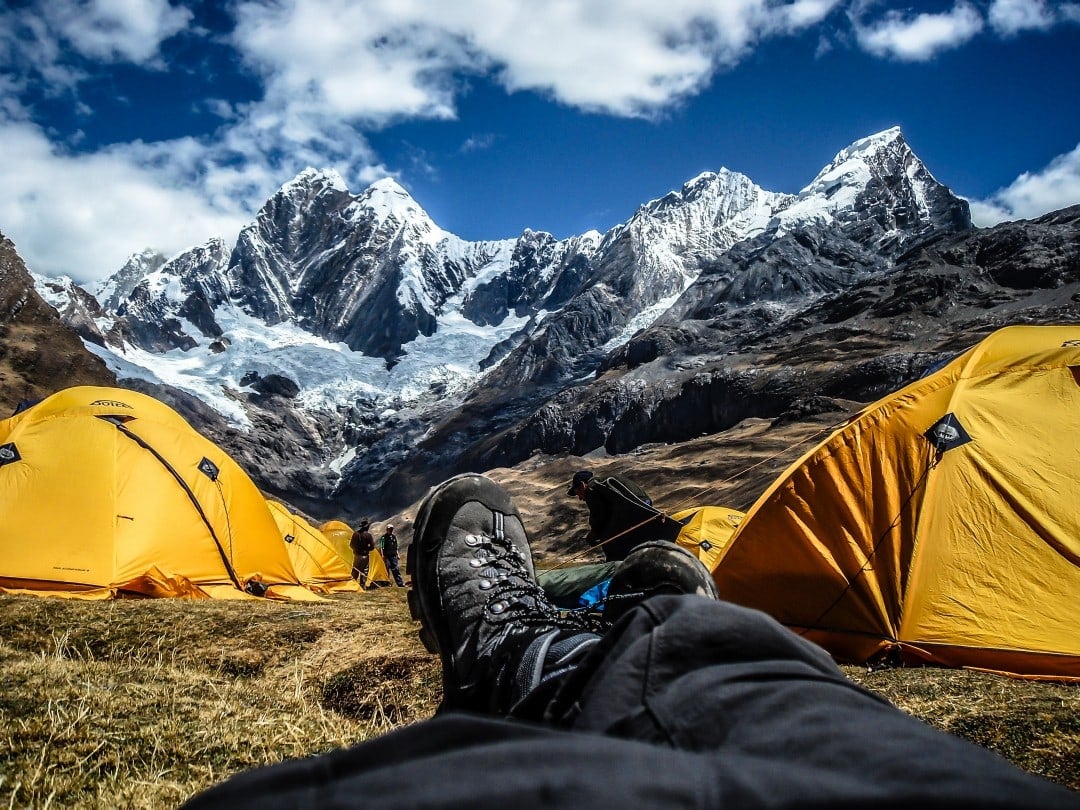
column 362, row 544
column 388, row 545
column 617, row 507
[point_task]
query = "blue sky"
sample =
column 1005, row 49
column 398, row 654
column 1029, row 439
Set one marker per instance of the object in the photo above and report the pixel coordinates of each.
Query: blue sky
column 127, row 124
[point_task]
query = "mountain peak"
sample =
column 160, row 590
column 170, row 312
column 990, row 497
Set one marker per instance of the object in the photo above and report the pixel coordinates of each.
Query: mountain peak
column 387, row 198
column 879, row 140
column 877, row 178
column 326, row 178
column 881, row 152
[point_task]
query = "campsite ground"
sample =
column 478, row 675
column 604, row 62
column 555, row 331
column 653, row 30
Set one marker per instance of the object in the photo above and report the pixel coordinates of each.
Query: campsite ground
column 142, row 703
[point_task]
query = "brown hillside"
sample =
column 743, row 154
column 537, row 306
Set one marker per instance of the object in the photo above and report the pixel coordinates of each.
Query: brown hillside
column 38, row 353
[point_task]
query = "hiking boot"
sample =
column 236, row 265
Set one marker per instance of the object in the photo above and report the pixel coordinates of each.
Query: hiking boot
column 475, row 594
column 654, row 568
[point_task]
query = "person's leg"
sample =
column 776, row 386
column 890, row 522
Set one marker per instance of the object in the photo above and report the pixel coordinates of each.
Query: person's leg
column 687, row 701
column 732, row 684
column 394, row 564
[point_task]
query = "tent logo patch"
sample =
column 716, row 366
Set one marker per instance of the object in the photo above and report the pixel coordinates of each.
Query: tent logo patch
column 111, row 403
column 947, row 433
column 9, row 454
column 209, row 469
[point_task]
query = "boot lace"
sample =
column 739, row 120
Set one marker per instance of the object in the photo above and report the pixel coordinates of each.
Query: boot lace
column 512, row 596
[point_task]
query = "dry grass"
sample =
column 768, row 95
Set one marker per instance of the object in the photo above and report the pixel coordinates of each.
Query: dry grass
column 141, row 704
column 1036, row 725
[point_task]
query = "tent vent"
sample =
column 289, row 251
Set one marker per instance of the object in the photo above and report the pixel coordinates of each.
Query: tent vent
column 9, row 454
column 947, row 433
column 209, row 469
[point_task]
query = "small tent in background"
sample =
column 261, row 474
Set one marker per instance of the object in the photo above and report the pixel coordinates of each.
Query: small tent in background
column 377, row 573
column 940, row 524
column 315, row 560
column 339, row 534
column 707, row 530
column 107, row 492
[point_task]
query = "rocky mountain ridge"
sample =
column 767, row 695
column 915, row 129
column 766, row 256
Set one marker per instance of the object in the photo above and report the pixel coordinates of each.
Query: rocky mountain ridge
column 717, row 302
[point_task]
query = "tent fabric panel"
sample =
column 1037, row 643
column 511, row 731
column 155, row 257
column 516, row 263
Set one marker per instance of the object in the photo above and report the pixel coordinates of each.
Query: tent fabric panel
column 377, row 570
column 829, row 544
column 231, row 503
column 340, row 535
column 58, row 501
column 1000, row 565
column 314, row 559
column 707, row 530
column 157, row 526
column 1024, row 347
column 1013, row 663
column 89, row 400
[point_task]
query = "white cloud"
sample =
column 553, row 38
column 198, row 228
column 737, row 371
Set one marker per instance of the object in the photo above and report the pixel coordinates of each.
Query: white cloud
column 803, row 14
column 383, row 59
column 1033, row 194
column 1010, row 17
column 83, row 216
column 478, row 143
column 918, row 38
column 36, row 38
column 116, row 30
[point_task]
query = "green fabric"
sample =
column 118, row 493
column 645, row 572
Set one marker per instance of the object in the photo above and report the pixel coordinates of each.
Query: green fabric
column 564, row 586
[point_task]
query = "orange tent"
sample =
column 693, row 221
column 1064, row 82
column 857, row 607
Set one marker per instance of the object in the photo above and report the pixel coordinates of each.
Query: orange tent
column 940, row 524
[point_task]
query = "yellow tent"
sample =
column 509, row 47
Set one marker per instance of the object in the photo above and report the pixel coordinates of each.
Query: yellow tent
column 315, row 560
column 707, row 530
column 377, row 571
column 938, row 525
column 339, row 534
column 107, row 492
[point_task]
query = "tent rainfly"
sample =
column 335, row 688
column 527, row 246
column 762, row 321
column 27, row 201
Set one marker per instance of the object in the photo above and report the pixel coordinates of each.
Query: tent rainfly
column 315, row 560
column 339, row 534
column 107, row 492
column 940, row 524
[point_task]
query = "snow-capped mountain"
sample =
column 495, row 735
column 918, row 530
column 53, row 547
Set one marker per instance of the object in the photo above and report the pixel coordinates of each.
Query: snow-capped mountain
column 877, row 182
column 363, row 310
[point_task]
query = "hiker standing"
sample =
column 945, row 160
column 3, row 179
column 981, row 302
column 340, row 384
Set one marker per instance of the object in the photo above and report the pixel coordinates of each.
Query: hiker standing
column 388, row 545
column 362, row 544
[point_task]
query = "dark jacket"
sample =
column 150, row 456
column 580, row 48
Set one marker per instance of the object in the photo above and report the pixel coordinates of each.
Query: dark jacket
column 389, row 543
column 362, row 542
column 620, row 509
